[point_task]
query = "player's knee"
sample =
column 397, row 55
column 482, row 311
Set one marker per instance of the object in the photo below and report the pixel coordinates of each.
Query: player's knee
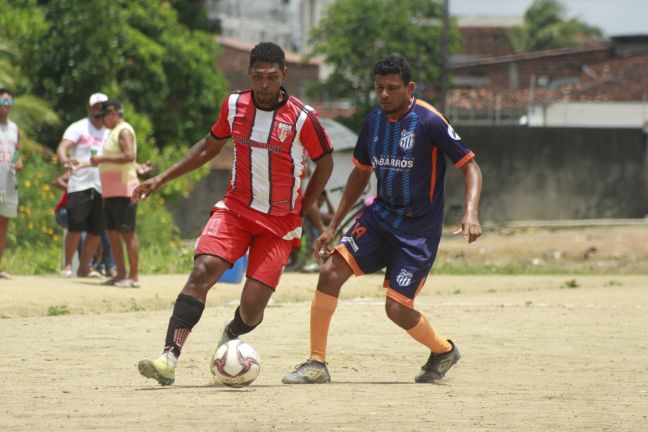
column 333, row 275
column 398, row 313
column 205, row 273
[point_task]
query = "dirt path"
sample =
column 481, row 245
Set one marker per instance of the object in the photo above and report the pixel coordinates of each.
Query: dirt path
column 535, row 357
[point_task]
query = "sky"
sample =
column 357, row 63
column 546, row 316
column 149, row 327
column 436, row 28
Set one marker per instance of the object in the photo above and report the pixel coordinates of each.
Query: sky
column 614, row 17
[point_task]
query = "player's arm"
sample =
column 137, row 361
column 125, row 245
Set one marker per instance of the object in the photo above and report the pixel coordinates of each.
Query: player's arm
column 470, row 226
column 356, row 184
column 201, row 153
column 126, row 155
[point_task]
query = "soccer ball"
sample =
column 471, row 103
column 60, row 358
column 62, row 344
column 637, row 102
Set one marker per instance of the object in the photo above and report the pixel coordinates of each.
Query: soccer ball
column 235, row 364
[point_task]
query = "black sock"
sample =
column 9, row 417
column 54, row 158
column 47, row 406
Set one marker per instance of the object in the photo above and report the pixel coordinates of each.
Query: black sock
column 186, row 313
column 237, row 327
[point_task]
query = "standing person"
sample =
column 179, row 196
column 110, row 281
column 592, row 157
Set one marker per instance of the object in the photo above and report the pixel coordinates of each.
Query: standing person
column 262, row 208
column 10, row 162
column 102, row 261
column 85, row 207
column 118, row 172
column 405, row 142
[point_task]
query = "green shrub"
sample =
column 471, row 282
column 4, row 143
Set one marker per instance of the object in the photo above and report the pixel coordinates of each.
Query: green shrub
column 35, row 240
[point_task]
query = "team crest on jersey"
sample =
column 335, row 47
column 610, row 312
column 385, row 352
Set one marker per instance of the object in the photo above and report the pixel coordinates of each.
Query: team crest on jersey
column 404, row 278
column 454, row 135
column 407, row 140
column 285, row 130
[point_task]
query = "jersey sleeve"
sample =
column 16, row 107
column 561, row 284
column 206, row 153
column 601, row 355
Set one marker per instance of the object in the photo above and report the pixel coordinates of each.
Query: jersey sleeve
column 72, row 133
column 361, row 156
column 314, row 137
column 449, row 141
column 221, row 129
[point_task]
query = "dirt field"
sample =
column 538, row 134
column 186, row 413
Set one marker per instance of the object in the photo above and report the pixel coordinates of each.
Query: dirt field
column 548, row 353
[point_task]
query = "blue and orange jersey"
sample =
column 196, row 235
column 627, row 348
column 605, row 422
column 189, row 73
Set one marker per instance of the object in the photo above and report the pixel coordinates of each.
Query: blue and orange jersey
column 408, row 157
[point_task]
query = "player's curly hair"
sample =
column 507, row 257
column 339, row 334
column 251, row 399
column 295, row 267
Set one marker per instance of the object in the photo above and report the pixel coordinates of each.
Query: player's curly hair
column 268, row 52
column 6, row 91
column 394, row 64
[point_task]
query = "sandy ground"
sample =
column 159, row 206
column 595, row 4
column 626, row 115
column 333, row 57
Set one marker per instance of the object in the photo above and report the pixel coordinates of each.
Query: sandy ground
column 543, row 353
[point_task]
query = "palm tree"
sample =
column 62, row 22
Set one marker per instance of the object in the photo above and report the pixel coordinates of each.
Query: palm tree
column 30, row 112
column 545, row 27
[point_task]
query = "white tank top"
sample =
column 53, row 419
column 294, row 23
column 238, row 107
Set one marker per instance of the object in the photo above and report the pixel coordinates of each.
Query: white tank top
column 8, row 146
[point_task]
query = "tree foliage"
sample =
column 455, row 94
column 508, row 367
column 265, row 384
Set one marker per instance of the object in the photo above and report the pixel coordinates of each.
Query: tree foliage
column 19, row 30
column 545, row 27
column 354, row 34
column 134, row 50
column 137, row 51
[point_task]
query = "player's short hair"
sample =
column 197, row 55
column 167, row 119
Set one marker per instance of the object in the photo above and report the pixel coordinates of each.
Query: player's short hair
column 394, row 64
column 7, row 91
column 268, row 52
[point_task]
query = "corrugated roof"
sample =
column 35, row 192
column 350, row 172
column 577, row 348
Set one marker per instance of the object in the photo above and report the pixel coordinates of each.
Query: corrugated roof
column 536, row 54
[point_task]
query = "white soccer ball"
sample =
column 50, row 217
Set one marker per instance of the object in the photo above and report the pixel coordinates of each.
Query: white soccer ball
column 235, row 363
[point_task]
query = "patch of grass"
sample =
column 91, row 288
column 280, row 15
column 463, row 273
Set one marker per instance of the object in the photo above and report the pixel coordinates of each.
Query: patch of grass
column 58, row 310
column 572, row 283
column 134, row 307
column 155, row 259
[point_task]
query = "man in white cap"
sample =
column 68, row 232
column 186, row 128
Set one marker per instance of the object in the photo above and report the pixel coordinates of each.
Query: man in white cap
column 82, row 140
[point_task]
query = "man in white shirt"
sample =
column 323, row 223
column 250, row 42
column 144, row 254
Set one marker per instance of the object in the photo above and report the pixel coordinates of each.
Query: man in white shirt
column 82, row 140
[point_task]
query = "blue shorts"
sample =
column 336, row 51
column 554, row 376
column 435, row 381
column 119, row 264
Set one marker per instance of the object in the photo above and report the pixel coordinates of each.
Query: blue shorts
column 371, row 244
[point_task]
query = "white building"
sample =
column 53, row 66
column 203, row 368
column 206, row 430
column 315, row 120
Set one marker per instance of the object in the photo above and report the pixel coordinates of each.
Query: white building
column 590, row 114
column 285, row 22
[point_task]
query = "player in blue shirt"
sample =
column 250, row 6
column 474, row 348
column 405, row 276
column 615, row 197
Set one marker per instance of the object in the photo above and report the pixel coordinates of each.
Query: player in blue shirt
column 406, row 143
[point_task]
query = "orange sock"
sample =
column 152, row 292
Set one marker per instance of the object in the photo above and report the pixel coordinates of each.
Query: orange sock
column 322, row 310
column 425, row 334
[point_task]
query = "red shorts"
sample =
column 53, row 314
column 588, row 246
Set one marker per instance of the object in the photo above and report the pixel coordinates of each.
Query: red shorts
column 228, row 235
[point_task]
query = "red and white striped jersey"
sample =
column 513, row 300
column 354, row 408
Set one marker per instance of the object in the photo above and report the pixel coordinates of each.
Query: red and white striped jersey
column 270, row 147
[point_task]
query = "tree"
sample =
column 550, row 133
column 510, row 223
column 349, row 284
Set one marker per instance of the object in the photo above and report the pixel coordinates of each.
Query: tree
column 354, row 34
column 134, row 50
column 545, row 27
column 30, row 111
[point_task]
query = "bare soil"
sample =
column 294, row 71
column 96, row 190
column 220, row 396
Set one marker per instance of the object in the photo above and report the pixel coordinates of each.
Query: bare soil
column 540, row 352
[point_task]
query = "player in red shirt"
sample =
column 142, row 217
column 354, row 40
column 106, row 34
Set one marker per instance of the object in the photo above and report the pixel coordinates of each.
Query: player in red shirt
column 262, row 208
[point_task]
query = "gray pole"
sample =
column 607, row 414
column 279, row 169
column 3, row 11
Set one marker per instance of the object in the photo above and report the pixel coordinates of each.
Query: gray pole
column 445, row 57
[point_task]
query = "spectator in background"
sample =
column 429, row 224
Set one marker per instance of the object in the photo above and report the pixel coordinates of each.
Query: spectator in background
column 81, row 140
column 102, row 261
column 118, row 171
column 10, row 162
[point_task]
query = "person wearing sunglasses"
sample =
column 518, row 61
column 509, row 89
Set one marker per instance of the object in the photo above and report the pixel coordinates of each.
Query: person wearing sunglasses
column 81, row 140
column 118, row 172
column 10, row 162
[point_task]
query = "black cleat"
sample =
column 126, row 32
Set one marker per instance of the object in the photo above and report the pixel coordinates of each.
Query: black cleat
column 437, row 365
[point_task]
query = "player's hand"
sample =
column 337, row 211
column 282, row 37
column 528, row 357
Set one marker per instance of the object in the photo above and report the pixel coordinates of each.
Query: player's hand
column 146, row 188
column 74, row 164
column 470, row 228
column 321, row 250
column 19, row 165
